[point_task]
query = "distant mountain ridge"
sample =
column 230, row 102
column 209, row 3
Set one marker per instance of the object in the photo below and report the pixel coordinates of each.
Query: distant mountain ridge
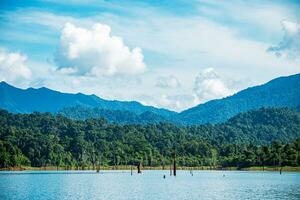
column 46, row 100
column 279, row 92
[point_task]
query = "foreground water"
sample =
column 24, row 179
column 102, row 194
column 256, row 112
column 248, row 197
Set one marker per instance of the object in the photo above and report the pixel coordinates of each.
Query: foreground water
column 110, row 185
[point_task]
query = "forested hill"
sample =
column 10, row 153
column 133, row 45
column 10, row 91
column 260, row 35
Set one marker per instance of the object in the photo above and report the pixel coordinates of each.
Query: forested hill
column 45, row 139
column 280, row 92
column 116, row 116
column 46, row 100
column 266, row 124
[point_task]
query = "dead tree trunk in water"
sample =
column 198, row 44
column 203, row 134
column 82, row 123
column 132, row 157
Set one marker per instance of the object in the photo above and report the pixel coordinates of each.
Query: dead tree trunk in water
column 174, row 163
column 139, row 168
column 280, row 164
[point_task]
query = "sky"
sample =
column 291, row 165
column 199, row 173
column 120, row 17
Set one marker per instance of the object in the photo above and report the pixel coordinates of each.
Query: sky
column 169, row 54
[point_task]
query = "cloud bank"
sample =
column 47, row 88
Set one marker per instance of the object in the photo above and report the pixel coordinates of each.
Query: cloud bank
column 13, row 67
column 95, row 52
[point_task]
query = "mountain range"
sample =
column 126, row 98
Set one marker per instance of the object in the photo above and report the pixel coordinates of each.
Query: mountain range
column 46, row 100
column 279, row 92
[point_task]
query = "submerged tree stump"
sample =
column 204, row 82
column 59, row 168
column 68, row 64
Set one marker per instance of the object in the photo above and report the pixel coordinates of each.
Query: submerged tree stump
column 174, row 164
column 139, row 166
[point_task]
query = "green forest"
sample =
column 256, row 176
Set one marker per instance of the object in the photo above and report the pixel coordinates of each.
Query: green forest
column 264, row 137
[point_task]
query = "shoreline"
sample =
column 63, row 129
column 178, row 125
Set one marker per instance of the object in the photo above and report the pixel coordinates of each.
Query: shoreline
column 134, row 168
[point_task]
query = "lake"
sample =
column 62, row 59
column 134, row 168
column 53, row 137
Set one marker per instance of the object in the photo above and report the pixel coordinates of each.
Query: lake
column 112, row 185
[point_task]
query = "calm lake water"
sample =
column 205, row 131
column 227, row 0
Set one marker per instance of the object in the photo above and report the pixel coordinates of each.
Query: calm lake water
column 110, row 185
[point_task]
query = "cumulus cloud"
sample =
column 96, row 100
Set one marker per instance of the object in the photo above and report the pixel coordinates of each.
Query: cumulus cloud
column 210, row 85
column 290, row 43
column 95, row 52
column 167, row 82
column 13, row 67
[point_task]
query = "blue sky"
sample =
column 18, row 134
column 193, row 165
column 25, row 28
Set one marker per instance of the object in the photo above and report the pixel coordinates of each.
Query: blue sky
column 172, row 54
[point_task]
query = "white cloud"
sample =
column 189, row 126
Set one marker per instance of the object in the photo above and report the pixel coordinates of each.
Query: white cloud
column 290, row 44
column 95, row 52
column 167, row 82
column 173, row 102
column 209, row 85
column 13, row 67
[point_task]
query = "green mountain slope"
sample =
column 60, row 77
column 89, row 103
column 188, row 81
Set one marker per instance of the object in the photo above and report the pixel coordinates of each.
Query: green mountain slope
column 279, row 92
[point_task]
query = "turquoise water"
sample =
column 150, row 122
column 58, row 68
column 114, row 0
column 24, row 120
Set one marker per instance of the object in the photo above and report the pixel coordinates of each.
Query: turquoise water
column 111, row 185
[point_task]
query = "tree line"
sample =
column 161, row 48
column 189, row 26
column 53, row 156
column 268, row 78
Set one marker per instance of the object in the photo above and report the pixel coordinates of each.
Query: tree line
column 265, row 137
